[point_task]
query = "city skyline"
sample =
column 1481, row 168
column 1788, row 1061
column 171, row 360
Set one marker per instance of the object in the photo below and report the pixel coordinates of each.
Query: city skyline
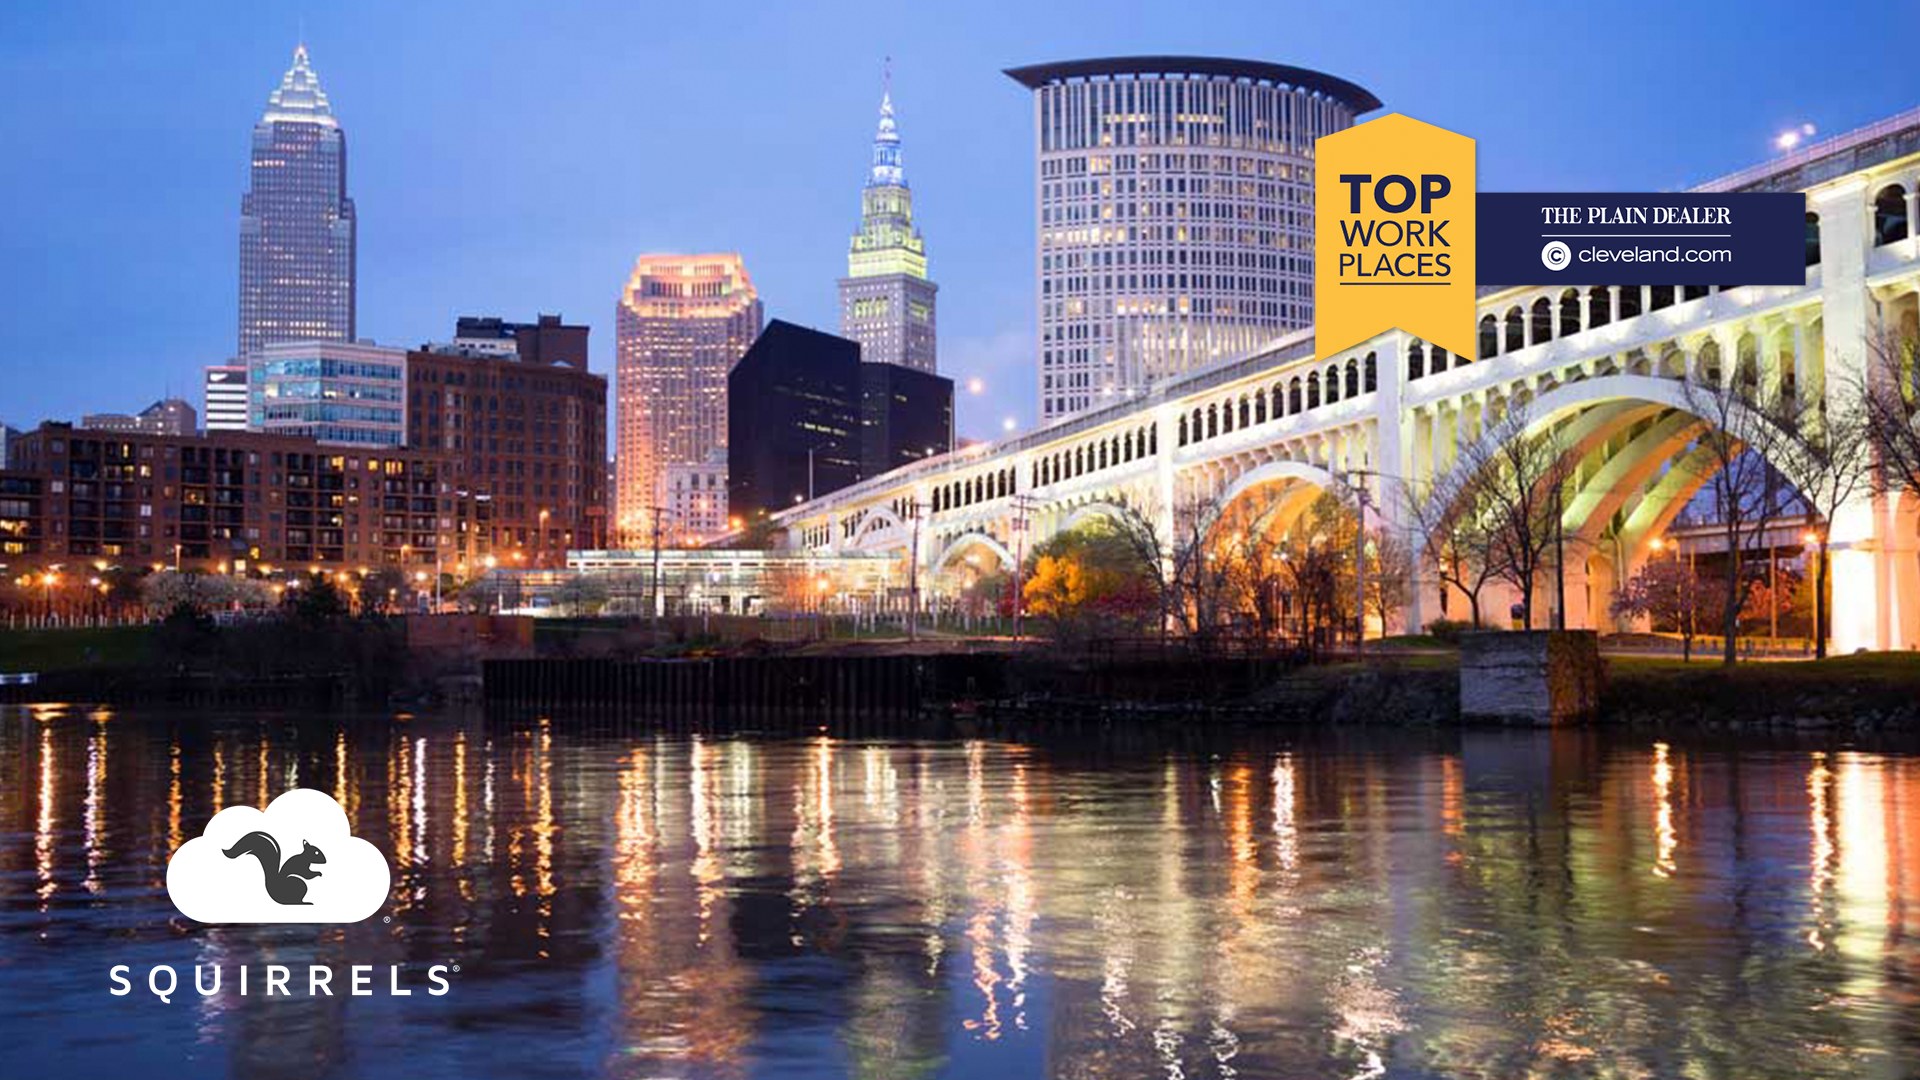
column 446, row 230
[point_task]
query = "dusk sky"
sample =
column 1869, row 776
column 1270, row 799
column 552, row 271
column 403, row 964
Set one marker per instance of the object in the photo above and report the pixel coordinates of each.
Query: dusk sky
column 511, row 159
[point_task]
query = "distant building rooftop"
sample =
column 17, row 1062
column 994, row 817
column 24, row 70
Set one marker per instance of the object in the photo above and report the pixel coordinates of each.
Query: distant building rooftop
column 1034, row 76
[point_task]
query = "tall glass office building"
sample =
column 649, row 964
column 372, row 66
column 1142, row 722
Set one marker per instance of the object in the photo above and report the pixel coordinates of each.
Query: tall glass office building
column 1174, row 205
column 297, row 233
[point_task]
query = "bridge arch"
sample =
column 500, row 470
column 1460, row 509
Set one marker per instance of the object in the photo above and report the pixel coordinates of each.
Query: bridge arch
column 1307, row 482
column 873, row 521
column 1552, row 406
column 1274, row 471
column 964, row 541
column 1087, row 511
column 1638, row 437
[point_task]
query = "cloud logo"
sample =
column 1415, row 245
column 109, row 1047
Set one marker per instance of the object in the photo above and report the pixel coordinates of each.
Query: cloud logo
column 297, row 862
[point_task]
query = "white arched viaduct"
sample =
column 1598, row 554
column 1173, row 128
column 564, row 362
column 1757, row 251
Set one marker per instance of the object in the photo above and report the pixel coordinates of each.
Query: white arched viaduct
column 1391, row 414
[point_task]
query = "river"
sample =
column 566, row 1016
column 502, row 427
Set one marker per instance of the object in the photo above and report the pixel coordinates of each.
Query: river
column 620, row 901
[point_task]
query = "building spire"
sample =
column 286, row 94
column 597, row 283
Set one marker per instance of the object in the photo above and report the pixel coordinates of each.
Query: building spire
column 299, row 96
column 887, row 170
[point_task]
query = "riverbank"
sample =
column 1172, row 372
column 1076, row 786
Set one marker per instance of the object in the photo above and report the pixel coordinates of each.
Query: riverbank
column 1862, row 692
column 980, row 683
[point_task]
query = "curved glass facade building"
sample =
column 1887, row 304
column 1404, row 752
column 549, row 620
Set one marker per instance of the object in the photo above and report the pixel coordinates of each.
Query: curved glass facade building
column 1174, row 208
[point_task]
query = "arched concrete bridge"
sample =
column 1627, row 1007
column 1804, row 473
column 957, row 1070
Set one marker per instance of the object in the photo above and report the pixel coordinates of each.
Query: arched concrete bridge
column 1605, row 363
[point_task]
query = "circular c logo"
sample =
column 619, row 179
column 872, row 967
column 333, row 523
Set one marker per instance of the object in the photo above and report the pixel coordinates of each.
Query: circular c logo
column 1556, row 255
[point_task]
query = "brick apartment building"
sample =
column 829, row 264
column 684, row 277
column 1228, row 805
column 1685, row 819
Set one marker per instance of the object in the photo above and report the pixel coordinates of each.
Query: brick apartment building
column 230, row 502
column 525, row 423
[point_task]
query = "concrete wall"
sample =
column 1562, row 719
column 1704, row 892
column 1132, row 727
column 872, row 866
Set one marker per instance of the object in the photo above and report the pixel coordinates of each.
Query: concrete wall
column 1539, row 677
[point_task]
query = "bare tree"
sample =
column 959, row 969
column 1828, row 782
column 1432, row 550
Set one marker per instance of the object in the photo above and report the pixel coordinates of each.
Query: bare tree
column 1389, row 574
column 1154, row 551
column 1827, row 456
column 1194, row 590
column 1452, row 535
column 1508, row 491
column 1316, row 569
column 1890, row 410
column 1752, row 427
column 1667, row 591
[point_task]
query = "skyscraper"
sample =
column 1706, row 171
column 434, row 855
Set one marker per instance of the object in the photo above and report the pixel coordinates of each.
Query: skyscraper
column 681, row 323
column 886, row 301
column 820, row 419
column 798, row 391
column 1173, row 199
column 297, row 232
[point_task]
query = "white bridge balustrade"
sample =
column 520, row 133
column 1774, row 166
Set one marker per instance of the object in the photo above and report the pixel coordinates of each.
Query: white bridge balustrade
column 1604, row 363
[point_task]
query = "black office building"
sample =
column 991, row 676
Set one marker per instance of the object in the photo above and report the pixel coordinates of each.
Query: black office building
column 905, row 415
column 793, row 419
column 805, row 417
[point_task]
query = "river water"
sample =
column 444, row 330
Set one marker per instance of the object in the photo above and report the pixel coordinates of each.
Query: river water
column 624, row 902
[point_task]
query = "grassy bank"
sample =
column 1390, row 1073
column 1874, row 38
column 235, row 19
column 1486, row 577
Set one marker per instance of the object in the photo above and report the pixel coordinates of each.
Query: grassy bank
column 1867, row 689
column 72, row 649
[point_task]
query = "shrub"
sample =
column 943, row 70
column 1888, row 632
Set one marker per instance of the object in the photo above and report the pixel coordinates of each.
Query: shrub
column 1448, row 631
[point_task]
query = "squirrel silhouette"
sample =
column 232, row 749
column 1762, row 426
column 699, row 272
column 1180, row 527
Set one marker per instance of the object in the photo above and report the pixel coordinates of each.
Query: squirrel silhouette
column 284, row 880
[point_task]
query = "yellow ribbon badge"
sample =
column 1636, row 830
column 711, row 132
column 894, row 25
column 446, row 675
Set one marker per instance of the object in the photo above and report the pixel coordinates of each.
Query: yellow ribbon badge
column 1393, row 235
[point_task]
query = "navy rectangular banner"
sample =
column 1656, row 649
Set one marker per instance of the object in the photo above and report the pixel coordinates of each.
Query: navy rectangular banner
column 1638, row 238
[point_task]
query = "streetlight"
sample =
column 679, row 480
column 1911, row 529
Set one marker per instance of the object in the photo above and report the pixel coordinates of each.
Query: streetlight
column 915, row 510
column 1022, row 504
column 1792, row 137
column 1818, row 541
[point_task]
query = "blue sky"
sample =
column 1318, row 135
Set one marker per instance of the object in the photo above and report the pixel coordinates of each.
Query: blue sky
column 512, row 158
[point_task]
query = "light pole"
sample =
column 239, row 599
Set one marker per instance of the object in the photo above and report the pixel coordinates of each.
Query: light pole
column 657, row 511
column 1773, row 592
column 1559, row 562
column 914, row 510
column 1817, row 539
column 1022, row 504
column 1363, row 499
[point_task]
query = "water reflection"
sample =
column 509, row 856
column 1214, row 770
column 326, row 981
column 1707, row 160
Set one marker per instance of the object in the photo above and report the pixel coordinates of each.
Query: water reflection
column 639, row 904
